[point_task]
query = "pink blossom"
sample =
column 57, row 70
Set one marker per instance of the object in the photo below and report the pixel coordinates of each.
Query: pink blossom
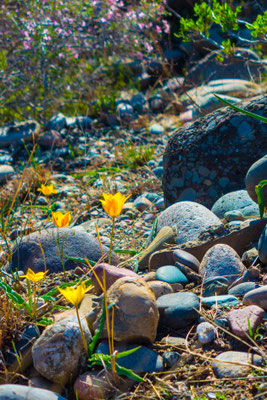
column 148, row 47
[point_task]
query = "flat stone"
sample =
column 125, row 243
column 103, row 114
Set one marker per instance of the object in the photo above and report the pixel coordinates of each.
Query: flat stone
column 171, row 274
column 188, row 220
column 178, row 310
column 186, row 258
column 28, row 250
column 257, row 297
column 141, row 361
column 57, row 354
column 222, row 260
column 224, row 300
column 135, row 311
column 257, row 173
column 241, row 289
column 15, row 132
column 262, row 246
column 238, row 200
column 20, row 392
column 6, row 171
column 225, row 367
column 112, row 273
column 160, row 288
column 238, row 320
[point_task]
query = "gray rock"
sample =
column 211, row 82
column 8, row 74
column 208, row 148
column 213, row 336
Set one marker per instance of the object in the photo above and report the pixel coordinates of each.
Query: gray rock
column 188, row 194
column 170, row 358
column 238, row 320
column 235, row 215
column 186, row 258
column 58, row 353
column 206, row 332
column 205, row 143
column 20, row 392
column 156, row 129
column 189, row 219
column 74, row 242
column 257, row 297
column 141, row 361
column 238, row 200
column 57, row 122
column 227, row 364
column 160, row 288
column 221, row 260
column 241, row 289
column 223, row 300
column 139, row 103
column 171, row 274
column 15, row 132
column 257, row 173
column 94, row 385
column 178, row 310
column 262, row 246
column 125, row 111
column 6, row 171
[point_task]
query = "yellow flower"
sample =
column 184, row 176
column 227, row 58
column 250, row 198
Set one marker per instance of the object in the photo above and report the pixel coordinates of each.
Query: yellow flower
column 113, row 204
column 34, row 277
column 47, row 190
column 74, row 296
column 61, row 219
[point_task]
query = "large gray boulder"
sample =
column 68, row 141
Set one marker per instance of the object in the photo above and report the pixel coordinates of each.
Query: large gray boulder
column 56, row 245
column 212, row 154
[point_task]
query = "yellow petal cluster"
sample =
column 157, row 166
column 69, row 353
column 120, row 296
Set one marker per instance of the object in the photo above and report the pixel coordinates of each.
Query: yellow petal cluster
column 60, row 219
column 74, row 296
column 47, row 190
column 34, row 277
column 113, row 204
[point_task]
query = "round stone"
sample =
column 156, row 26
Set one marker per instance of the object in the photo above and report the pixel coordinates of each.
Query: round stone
column 21, row 392
column 206, row 332
column 234, row 202
column 186, row 258
column 224, row 366
column 171, row 274
column 243, row 320
column 178, row 310
column 262, row 246
column 243, row 288
column 6, row 171
column 257, row 297
column 160, row 288
column 257, row 173
column 221, row 260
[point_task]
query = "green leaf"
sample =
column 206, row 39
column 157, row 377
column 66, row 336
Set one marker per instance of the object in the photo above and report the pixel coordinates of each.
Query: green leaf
column 125, row 251
column 16, row 298
column 95, row 338
column 249, row 114
column 260, row 196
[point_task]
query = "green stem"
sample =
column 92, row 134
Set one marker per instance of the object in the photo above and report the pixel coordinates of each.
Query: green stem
column 83, row 337
column 111, row 239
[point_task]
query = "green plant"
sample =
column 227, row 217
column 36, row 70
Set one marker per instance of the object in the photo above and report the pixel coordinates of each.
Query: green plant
column 137, row 156
column 260, row 196
column 256, row 335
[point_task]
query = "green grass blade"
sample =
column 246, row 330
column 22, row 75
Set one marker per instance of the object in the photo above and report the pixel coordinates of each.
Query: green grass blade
column 249, row 114
column 95, row 338
column 260, row 196
column 125, row 251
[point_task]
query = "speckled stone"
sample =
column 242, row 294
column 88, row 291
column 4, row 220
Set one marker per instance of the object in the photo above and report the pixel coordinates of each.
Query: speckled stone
column 186, row 258
column 6, row 171
column 188, row 219
column 178, row 310
column 257, row 173
column 226, row 370
column 171, row 274
column 206, row 332
column 21, row 392
column 221, row 260
column 238, row 320
column 224, row 300
column 237, row 201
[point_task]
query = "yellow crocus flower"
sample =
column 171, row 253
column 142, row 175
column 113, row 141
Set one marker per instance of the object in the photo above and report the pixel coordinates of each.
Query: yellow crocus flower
column 47, row 190
column 60, row 219
column 74, row 296
column 34, row 277
column 113, row 204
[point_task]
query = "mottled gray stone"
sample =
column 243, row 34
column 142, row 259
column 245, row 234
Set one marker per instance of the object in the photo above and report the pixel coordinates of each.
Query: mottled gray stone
column 241, row 289
column 58, row 352
column 141, row 361
column 209, row 138
column 186, row 258
column 221, row 260
column 188, row 219
column 233, row 201
column 257, row 173
column 28, row 250
column 227, row 364
column 238, row 320
column 206, row 332
column 178, row 310
column 262, row 246
column 20, row 392
column 257, row 297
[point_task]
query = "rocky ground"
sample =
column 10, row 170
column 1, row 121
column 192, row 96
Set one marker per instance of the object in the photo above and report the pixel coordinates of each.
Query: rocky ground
column 188, row 277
